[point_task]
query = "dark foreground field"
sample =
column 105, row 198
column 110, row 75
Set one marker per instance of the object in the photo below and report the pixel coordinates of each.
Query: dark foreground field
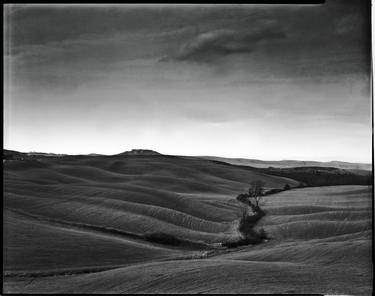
column 137, row 224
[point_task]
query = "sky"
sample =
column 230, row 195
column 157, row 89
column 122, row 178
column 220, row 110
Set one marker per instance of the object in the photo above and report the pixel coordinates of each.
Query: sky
column 265, row 82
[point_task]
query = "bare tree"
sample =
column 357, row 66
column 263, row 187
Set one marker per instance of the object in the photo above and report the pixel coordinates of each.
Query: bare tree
column 256, row 191
column 254, row 195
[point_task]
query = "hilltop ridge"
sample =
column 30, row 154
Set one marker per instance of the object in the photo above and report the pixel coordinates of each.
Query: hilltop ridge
column 140, row 152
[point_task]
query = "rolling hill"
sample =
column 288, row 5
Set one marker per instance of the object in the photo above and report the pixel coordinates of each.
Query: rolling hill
column 291, row 163
column 145, row 222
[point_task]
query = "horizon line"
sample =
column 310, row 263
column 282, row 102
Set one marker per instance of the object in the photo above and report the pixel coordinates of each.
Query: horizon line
column 240, row 157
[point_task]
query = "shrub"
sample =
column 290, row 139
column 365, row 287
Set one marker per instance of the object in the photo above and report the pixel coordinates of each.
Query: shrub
column 262, row 234
column 273, row 191
column 163, row 238
column 242, row 242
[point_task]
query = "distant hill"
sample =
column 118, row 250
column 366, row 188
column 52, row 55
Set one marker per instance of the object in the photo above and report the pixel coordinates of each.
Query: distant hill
column 321, row 176
column 140, row 152
column 45, row 154
column 303, row 175
column 291, row 163
column 10, row 154
column 15, row 155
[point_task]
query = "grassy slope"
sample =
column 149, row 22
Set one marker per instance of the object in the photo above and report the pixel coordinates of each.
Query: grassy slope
column 190, row 199
column 313, row 263
column 205, row 276
column 32, row 245
column 318, row 176
column 320, row 236
column 319, row 212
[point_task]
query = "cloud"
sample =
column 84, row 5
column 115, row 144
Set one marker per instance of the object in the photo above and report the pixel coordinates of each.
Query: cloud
column 211, row 45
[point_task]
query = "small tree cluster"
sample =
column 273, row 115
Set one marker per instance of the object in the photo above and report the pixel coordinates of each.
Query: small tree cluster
column 287, row 187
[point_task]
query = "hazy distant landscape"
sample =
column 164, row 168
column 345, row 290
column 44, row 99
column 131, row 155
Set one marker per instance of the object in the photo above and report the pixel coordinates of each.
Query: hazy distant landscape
column 292, row 163
column 96, row 224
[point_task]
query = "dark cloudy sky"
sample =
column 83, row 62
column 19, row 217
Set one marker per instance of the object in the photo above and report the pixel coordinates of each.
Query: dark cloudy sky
column 255, row 81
